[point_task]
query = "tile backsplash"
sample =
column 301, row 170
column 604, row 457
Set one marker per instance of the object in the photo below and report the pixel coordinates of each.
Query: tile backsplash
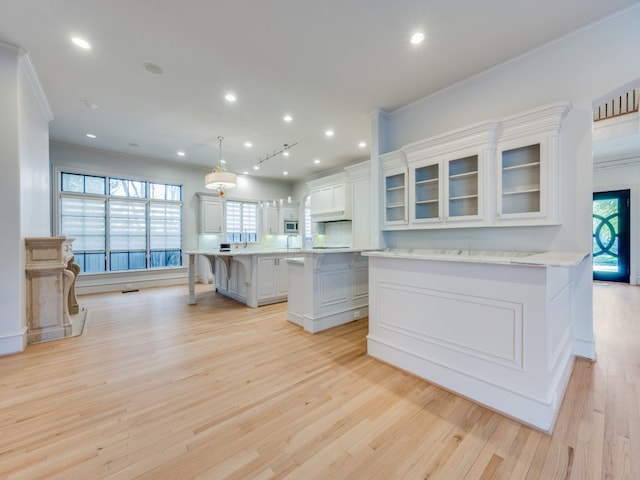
column 336, row 234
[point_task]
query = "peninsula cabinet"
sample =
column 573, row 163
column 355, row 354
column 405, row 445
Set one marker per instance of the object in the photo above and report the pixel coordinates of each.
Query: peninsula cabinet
column 528, row 167
column 273, row 276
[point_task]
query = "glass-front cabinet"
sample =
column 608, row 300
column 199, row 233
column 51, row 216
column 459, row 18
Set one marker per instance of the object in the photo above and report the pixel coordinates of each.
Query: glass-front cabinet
column 528, row 167
column 520, row 181
column 497, row 173
column 446, row 190
column 395, row 190
column 426, row 206
column 463, row 187
column 395, row 198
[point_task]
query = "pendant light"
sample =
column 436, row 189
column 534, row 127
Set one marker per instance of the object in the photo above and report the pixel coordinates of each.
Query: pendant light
column 220, row 179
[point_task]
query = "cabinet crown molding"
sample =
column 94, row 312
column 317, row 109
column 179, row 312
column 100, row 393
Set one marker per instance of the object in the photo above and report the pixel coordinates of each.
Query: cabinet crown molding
column 330, row 180
column 484, row 133
column 547, row 119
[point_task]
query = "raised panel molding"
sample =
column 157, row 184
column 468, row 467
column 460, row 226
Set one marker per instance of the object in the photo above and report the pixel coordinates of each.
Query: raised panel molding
column 458, row 322
column 334, row 287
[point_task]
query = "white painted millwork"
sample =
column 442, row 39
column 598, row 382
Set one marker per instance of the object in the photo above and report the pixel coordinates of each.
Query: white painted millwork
column 252, row 277
column 272, row 278
column 395, row 190
column 447, row 181
column 330, row 288
column 289, row 213
column 211, row 214
column 527, row 170
column 497, row 327
column 331, row 198
column 271, row 224
column 360, row 175
column 273, row 218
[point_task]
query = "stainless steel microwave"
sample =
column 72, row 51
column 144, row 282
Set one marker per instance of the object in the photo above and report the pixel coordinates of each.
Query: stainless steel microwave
column 290, row 226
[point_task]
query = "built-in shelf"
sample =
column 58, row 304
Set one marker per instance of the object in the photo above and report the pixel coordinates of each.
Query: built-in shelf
column 463, row 185
column 395, row 197
column 502, row 172
column 526, row 165
column 521, row 180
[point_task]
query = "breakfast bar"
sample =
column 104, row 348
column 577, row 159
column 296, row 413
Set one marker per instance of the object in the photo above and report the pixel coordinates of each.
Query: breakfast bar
column 253, row 277
column 496, row 327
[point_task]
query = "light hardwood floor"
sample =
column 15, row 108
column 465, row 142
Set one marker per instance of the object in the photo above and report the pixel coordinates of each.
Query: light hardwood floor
column 158, row 389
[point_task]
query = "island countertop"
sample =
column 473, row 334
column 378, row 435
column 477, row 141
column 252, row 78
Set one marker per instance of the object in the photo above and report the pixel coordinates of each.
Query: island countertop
column 274, row 251
column 539, row 259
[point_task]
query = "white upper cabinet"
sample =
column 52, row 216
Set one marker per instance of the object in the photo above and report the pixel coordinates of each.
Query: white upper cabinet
column 448, row 178
column 426, row 184
column 395, row 190
column 211, row 214
column 528, row 167
column 492, row 173
column 330, row 198
column 270, row 221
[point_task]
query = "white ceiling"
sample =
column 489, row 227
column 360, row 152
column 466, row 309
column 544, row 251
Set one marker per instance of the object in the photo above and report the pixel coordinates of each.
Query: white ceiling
column 328, row 63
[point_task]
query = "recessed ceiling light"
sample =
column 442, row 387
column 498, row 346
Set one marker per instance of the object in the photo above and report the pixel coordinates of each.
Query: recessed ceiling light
column 91, row 135
column 230, row 97
column 223, row 161
column 316, row 161
column 153, row 68
column 181, row 154
column 285, row 173
column 287, row 118
column 285, row 153
column 245, row 173
column 362, row 144
column 417, row 38
column 81, row 42
column 256, row 167
column 248, row 144
column 329, row 133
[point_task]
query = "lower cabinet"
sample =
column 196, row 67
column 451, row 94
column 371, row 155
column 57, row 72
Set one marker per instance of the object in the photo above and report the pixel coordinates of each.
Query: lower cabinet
column 235, row 283
column 254, row 280
column 272, row 278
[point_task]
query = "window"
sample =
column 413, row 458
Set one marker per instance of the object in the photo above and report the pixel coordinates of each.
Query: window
column 241, row 222
column 120, row 224
column 308, row 231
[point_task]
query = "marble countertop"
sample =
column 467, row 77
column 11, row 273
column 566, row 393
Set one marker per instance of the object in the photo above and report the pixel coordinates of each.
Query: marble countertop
column 541, row 259
column 234, row 252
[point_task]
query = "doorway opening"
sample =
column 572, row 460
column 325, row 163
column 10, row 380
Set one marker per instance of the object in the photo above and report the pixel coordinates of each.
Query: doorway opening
column 611, row 240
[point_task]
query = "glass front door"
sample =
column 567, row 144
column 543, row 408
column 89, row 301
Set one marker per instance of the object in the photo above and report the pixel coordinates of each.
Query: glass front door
column 611, row 236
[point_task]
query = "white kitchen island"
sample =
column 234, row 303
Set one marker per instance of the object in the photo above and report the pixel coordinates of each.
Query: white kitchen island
column 327, row 287
column 496, row 327
column 253, row 277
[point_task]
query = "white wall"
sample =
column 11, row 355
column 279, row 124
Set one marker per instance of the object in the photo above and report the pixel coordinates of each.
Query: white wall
column 625, row 177
column 24, row 185
column 11, row 249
